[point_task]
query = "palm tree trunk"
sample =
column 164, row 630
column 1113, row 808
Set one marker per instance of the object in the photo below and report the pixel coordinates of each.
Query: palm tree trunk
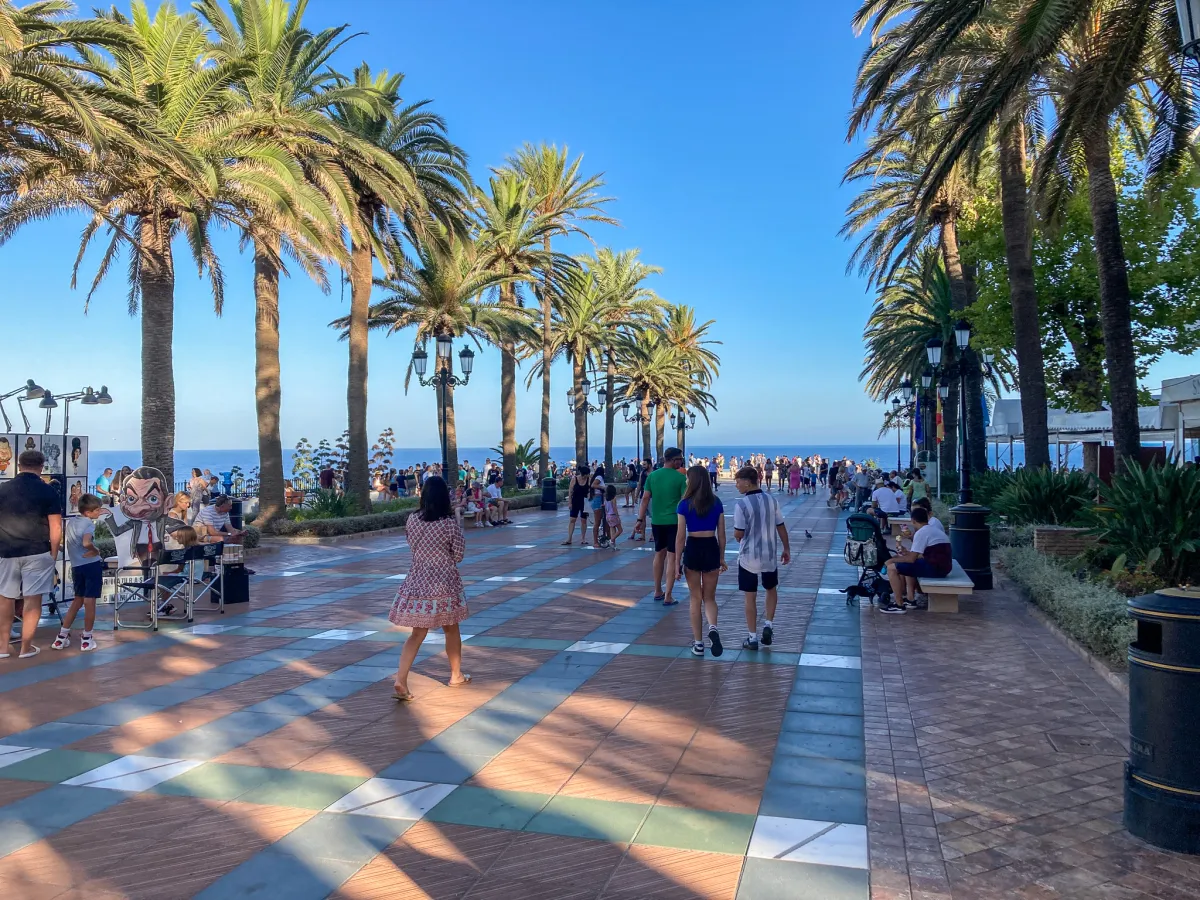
column 646, row 419
column 547, row 351
column 158, row 326
column 267, row 389
column 581, row 447
column 961, row 298
column 508, row 396
column 1115, row 301
column 610, row 415
column 358, row 478
column 660, row 424
column 976, row 432
column 680, row 437
column 451, row 475
column 1018, row 247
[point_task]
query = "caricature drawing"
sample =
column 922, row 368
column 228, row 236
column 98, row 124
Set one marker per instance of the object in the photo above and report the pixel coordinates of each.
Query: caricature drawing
column 139, row 522
column 6, row 457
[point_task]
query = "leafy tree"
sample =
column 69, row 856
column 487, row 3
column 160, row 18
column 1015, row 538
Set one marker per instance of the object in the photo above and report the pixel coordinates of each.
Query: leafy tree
column 303, row 466
column 1161, row 239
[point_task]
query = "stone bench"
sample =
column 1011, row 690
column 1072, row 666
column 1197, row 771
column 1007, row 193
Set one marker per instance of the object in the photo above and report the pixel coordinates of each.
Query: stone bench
column 944, row 592
column 897, row 522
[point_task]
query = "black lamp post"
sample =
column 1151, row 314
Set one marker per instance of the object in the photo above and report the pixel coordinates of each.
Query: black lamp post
column 683, row 422
column 926, row 382
column 970, row 536
column 444, row 378
column 585, row 388
column 638, row 419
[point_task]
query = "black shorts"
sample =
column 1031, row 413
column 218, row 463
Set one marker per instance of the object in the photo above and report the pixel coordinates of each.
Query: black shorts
column 748, row 581
column 702, row 554
column 664, row 537
column 86, row 579
column 577, row 510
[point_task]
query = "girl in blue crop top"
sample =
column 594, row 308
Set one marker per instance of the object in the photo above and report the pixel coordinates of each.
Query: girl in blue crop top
column 700, row 544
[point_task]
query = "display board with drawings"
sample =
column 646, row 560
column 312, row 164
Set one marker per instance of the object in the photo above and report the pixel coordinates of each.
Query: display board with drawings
column 66, row 463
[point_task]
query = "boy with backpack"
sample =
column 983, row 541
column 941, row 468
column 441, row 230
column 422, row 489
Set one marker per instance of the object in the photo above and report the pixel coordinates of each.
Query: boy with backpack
column 758, row 528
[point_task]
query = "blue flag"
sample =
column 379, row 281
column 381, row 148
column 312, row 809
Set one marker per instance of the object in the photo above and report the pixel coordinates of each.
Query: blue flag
column 919, row 428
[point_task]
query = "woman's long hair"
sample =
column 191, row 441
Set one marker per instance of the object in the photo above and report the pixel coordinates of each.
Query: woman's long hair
column 699, row 490
column 435, row 500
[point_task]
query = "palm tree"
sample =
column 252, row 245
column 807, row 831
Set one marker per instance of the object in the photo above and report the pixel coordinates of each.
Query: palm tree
column 51, row 106
column 1102, row 57
column 285, row 79
column 620, row 276
column 219, row 166
column 513, row 233
column 438, row 294
column 421, row 177
column 903, row 95
column 652, row 367
column 896, row 229
column 585, row 315
column 570, row 200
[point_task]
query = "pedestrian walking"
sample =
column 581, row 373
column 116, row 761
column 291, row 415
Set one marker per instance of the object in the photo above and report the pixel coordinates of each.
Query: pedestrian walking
column 432, row 596
column 759, row 530
column 31, row 532
column 700, row 543
column 663, row 491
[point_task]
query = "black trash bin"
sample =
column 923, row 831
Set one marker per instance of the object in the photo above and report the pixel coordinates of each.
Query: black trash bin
column 971, row 543
column 1162, row 776
column 549, row 494
column 235, row 514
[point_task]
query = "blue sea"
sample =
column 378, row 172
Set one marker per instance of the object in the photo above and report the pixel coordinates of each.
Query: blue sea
column 218, row 461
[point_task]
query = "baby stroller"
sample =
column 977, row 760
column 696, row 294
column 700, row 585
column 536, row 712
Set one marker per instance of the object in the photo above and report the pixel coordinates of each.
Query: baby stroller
column 867, row 549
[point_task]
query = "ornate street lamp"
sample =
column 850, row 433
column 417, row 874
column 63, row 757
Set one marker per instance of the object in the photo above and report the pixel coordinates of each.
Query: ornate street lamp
column 442, row 379
column 683, row 422
column 1189, row 26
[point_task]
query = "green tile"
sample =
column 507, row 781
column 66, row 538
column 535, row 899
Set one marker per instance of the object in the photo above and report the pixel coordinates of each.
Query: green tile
column 251, row 631
column 484, row 640
column 778, row 879
column 775, row 657
column 601, row 820
column 56, row 765
column 543, row 644
column 217, row 781
column 488, row 808
column 301, row 790
column 697, row 829
column 651, row 650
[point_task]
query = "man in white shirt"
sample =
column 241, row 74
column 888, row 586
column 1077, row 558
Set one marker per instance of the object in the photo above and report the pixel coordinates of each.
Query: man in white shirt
column 497, row 504
column 884, row 497
column 217, row 527
column 862, row 485
column 929, row 557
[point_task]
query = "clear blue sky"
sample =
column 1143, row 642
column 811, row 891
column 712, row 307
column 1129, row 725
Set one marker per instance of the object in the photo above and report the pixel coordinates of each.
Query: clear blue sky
column 720, row 130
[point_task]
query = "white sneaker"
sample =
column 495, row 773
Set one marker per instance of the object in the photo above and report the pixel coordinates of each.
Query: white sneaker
column 62, row 642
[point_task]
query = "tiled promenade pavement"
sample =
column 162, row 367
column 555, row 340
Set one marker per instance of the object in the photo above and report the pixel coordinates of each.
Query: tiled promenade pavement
column 260, row 754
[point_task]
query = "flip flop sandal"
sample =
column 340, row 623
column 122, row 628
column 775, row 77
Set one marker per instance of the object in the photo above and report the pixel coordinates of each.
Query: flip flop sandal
column 673, row 602
column 660, row 598
column 466, row 680
column 565, row 544
column 32, row 653
column 403, row 698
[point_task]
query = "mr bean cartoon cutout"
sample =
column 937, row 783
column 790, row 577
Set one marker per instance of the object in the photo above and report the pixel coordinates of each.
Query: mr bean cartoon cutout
column 140, row 520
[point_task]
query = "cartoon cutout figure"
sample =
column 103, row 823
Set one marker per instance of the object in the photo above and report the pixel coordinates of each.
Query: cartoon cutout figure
column 73, row 498
column 6, row 457
column 76, row 453
column 140, row 520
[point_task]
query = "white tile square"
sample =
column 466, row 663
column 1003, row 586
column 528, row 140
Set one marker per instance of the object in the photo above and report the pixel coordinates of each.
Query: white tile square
column 520, row 526
column 439, row 637
column 830, row 591
column 342, row 634
column 830, row 662
column 399, row 577
column 211, row 629
column 507, row 578
column 803, row 840
column 524, row 546
column 134, row 773
column 10, row 754
column 386, row 798
column 289, row 574
column 574, row 580
column 597, row 647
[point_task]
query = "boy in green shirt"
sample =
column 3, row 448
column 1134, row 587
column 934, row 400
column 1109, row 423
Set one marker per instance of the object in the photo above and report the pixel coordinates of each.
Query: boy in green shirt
column 664, row 489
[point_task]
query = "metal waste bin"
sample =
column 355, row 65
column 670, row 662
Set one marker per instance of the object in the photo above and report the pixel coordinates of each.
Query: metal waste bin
column 235, row 514
column 1162, row 776
column 549, row 494
column 971, row 543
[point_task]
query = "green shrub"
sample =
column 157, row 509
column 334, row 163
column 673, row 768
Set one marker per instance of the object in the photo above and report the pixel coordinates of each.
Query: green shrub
column 1152, row 516
column 252, row 538
column 326, row 504
column 1047, row 497
column 990, row 484
column 1012, row 535
column 339, row 526
column 1094, row 614
column 400, row 504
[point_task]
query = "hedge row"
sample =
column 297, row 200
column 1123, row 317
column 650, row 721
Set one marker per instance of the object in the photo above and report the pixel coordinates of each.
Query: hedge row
column 374, row 522
column 1094, row 614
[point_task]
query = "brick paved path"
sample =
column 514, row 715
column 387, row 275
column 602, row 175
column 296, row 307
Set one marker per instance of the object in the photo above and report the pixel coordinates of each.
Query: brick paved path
column 260, row 754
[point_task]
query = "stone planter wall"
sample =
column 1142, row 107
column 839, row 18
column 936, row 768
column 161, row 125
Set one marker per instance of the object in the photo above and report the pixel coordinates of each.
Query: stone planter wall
column 1057, row 540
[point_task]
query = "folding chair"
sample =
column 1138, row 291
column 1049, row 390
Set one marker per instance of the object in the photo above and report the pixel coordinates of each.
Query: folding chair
column 208, row 555
column 145, row 584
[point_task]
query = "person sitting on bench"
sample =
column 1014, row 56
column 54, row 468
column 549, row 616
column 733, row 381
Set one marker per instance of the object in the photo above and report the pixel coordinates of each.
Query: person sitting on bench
column 928, row 558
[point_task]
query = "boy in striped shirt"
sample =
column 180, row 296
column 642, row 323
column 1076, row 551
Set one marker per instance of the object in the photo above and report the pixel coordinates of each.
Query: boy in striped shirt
column 759, row 530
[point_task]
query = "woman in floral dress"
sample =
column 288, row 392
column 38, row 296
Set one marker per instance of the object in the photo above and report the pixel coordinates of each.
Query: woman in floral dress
column 432, row 595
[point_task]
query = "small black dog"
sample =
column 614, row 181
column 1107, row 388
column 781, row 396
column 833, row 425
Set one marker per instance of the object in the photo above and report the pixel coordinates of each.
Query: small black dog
column 854, row 591
column 875, row 589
